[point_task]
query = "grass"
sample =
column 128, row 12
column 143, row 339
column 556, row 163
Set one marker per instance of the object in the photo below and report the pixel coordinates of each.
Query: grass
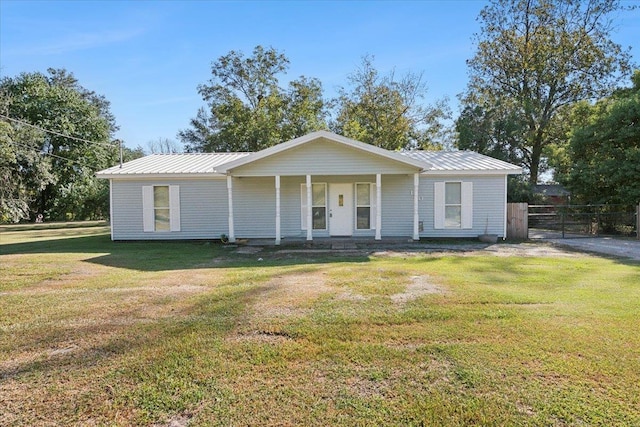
column 191, row 333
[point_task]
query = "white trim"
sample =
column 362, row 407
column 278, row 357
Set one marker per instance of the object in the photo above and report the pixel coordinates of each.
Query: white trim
column 177, row 175
column 420, row 165
column 278, row 209
column 378, row 207
column 174, row 208
column 466, row 211
column 504, row 229
column 111, row 207
column 457, row 173
column 148, row 211
column 371, row 205
column 416, row 217
column 232, row 233
column 309, row 208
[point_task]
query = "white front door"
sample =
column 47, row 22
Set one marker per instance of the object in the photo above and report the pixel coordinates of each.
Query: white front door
column 341, row 209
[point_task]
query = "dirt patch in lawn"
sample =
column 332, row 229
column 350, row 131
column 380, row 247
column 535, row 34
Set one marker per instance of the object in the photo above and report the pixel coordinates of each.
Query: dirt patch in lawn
column 417, row 287
column 282, row 298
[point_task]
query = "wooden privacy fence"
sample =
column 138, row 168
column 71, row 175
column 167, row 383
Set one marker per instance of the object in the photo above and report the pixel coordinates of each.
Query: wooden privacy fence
column 518, row 220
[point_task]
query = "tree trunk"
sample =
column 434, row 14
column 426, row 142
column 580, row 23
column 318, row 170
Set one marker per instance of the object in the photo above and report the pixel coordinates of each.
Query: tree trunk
column 536, row 154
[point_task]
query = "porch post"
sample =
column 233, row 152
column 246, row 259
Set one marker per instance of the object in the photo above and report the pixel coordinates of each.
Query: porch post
column 277, row 209
column 309, row 210
column 416, row 229
column 378, row 206
column 232, row 233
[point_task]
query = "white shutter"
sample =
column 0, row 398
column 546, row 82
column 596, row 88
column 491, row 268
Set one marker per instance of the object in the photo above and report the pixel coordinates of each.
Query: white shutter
column 303, row 206
column 467, row 204
column 148, row 215
column 174, row 207
column 373, row 202
column 438, row 205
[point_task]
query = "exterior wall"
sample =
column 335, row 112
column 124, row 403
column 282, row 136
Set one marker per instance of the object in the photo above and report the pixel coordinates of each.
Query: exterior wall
column 488, row 206
column 203, row 209
column 323, row 157
column 255, row 213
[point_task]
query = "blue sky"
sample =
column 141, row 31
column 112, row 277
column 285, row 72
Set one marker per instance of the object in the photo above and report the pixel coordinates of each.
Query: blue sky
column 148, row 57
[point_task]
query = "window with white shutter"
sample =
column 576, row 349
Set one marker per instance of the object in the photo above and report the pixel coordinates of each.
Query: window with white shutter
column 161, row 208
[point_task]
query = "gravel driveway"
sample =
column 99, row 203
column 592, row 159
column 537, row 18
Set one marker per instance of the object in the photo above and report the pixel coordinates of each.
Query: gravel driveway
column 603, row 245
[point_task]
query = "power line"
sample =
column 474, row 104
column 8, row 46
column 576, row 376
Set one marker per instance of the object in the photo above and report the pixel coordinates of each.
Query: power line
column 44, row 153
column 55, row 132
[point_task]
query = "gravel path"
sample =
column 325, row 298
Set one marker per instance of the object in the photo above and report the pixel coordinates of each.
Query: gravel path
column 603, row 245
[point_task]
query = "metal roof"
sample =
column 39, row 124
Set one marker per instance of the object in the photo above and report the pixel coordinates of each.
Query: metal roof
column 172, row 164
column 215, row 164
column 456, row 161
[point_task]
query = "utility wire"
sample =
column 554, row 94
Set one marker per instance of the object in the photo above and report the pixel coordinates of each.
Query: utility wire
column 56, row 133
column 44, row 153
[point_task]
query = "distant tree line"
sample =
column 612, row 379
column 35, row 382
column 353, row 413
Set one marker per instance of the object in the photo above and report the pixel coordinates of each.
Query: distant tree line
column 545, row 92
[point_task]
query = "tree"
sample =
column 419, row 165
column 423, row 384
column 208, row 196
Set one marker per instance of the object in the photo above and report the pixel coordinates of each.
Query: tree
column 492, row 132
column 52, row 115
column 605, row 152
column 388, row 112
column 163, row 146
column 23, row 171
column 535, row 58
column 247, row 108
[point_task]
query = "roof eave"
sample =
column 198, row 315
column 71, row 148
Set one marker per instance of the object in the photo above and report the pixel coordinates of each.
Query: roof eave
column 472, row 172
column 178, row 175
column 288, row 145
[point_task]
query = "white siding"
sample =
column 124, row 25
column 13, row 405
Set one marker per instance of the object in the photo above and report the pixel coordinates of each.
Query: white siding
column 487, row 206
column 325, row 157
column 203, row 209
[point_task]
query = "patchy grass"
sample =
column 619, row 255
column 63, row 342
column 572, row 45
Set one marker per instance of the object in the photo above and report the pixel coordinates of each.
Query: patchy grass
column 192, row 333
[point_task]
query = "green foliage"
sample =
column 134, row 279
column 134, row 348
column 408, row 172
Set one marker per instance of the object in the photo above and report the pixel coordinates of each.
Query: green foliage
column 389, row 112
column 493, row 132
column 61, row 184
column 534, row 58
column 23, row 171
column 247, row 108
column 605, row 151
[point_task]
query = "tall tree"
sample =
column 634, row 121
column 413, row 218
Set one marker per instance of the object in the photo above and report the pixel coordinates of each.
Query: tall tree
column 70, row 125
column 388, row 112
column 248, row 110
column 605, row 151
column 537, row 57
column 163, row 146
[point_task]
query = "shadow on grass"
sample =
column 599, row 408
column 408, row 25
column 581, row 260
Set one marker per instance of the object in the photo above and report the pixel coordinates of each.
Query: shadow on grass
column 170, row 255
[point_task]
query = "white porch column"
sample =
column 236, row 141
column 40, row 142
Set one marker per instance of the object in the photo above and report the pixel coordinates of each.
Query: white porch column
column 277, row 209
column 309, row 210
column 232, row 233
column 416, row 229
column 378, row 206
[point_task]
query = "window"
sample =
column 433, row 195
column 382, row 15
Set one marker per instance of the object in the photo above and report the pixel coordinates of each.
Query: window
column 318, row 206
column 452, row 205
column 363, row 206
column 161, row 208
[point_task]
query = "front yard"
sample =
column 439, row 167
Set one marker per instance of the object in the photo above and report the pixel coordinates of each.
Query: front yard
column 194, row 333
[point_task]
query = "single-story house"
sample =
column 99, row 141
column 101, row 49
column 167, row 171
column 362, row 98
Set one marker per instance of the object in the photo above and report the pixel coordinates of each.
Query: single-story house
column 317, row 185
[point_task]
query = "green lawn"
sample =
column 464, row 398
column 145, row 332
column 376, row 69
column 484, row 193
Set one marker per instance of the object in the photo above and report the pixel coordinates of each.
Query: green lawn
column 193, row 333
